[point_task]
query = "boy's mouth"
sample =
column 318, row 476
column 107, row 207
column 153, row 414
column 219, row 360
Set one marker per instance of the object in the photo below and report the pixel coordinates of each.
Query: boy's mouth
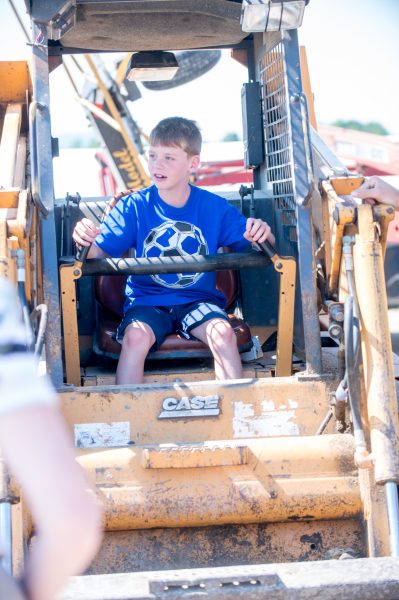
column 159, row 177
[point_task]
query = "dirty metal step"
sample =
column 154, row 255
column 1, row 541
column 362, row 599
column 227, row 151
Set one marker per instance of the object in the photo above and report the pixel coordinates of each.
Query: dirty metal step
column 352, row 579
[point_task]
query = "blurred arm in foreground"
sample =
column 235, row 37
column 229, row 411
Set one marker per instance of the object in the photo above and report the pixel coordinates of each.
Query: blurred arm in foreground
column 37, row 449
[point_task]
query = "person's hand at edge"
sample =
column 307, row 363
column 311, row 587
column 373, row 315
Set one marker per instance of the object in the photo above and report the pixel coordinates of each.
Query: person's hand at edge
column 375, row 189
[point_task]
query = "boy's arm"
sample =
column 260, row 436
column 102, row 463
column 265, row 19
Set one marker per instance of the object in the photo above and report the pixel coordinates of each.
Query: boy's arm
column 96, row 252
column 236, row 228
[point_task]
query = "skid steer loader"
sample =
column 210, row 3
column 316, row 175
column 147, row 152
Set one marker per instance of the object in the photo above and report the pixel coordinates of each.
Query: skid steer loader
column 282, row 484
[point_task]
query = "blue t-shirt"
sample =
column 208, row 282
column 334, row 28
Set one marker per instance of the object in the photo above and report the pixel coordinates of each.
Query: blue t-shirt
column 145, row 222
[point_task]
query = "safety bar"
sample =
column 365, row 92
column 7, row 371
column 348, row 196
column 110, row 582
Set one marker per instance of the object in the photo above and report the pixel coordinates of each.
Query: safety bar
column 149, row 266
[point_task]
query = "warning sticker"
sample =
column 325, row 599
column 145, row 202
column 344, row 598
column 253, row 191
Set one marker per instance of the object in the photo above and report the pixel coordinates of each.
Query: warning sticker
column 102, row 435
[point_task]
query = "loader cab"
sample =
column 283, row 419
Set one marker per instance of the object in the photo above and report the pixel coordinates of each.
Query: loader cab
column 272, row 113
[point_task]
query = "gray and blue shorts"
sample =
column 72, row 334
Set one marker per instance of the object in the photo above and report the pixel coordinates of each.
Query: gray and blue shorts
column 165, row 320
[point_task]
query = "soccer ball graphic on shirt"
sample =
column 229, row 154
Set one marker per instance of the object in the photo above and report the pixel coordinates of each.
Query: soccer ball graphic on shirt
column 175, row 238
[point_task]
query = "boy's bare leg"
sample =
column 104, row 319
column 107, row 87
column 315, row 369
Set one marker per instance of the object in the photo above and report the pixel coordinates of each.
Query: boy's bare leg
column 221, row 339
column 137, row 340
column 38, row 451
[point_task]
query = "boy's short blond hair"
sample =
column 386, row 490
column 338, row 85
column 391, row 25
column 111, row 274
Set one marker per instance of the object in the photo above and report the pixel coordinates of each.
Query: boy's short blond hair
column 179, row 132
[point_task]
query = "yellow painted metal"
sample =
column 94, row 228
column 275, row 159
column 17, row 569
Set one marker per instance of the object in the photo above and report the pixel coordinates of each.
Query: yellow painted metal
column 376, row 349
column 188, row 456
column 286, row 266
column 17, row 222
column 15, row 81
column 322, row 484
column 129, row 159
column 306, row 86
column 68, row 276
column 336, row 216
column 9, row 198
column 344, row 186
column 273, row 406
column 9, row 144
column 383, row 215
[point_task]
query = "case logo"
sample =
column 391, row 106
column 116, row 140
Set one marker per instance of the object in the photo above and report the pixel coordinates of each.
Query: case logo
column 190, row 406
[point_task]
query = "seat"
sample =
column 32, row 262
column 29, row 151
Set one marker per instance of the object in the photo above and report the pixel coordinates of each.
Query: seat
column 110, row 296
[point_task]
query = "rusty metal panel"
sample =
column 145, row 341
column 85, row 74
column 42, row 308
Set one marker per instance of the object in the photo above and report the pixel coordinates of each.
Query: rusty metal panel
column 224, row 545
column 246, row 408
column 376, row 349
column 311, row 478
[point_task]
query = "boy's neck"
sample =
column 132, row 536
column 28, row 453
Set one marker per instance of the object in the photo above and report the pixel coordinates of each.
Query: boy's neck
column 176, row 197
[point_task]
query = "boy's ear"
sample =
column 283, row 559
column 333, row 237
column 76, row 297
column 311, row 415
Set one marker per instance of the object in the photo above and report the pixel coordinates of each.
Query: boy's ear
column 195, row 162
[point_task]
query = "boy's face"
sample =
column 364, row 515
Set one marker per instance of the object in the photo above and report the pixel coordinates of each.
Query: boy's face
column 170, row 166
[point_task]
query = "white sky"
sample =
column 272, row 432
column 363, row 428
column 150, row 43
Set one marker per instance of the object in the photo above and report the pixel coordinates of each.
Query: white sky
column 353, row 55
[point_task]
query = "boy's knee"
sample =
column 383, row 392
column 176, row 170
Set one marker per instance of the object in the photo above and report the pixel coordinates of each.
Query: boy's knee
column 136, row 338
column 221, row 333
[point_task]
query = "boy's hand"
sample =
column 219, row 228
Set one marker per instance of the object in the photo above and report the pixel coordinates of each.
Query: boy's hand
column 85, row 232
column 258, row 231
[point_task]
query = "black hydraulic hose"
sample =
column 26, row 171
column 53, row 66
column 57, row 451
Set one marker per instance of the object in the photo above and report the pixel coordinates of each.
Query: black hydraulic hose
column 30, row 338
column 355, row 312
column 41, row 311
column 352, row 345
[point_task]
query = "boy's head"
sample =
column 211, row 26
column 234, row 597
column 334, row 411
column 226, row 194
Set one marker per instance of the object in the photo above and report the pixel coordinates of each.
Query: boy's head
column 178, row 132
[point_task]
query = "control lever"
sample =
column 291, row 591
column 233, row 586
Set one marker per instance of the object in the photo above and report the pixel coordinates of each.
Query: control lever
column 267, row 249
column 81, row 253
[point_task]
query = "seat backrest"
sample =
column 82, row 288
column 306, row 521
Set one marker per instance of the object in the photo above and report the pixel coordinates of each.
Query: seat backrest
column 110, row 290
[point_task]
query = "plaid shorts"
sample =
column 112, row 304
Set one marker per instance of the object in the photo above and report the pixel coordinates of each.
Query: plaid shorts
column 165, row 320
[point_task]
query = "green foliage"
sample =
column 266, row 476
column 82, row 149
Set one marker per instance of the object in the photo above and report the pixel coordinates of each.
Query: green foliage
column 371, row 127
column 231, row 137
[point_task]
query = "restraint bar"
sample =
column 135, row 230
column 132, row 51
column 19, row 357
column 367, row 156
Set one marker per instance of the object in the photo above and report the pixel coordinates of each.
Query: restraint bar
column 175, row 264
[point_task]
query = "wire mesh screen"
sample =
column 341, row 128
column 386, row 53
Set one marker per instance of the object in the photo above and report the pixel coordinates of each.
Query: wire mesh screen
column 279, row 163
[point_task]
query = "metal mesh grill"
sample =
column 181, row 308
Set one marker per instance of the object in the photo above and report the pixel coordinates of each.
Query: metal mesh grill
column 277, row 135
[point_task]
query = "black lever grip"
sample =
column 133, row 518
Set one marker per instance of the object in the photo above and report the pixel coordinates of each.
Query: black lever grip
column 82, row 252
column 267, row 248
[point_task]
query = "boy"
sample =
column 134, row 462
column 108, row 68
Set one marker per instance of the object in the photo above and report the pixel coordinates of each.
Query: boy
column 158, row 305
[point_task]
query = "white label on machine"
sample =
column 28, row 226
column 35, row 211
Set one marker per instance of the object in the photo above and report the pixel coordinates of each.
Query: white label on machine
column 270, row 422
column 102, row 435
